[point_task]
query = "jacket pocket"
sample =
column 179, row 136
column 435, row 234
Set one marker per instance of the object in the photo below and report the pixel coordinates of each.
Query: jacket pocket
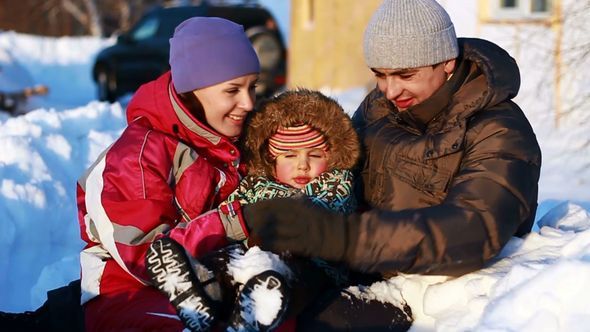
column 427, row 178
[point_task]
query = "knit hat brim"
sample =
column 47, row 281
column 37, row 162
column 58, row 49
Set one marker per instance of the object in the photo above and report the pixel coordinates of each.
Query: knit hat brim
column 302, row 136
column 410, row 52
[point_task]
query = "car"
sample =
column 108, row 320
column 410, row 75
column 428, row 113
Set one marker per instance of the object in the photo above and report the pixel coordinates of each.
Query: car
column 141, row 54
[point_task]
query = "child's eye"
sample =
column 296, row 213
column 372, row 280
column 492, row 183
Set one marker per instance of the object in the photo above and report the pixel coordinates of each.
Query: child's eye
column 317, row 155
column 232, row 91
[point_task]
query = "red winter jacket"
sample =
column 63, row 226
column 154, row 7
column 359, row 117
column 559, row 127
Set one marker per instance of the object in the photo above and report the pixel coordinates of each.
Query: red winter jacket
column 164, row 171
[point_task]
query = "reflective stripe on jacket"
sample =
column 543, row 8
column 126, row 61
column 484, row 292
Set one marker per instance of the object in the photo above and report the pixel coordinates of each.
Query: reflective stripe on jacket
column 164, row 171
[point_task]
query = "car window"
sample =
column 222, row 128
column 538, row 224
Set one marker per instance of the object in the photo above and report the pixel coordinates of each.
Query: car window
column 169, row 24
column 146, row 29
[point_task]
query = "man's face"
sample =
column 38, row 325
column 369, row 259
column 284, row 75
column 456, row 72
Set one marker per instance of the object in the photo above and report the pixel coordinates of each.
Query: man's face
column 409, row 87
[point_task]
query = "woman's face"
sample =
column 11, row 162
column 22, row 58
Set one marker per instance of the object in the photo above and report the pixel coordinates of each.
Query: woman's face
column 226, row 104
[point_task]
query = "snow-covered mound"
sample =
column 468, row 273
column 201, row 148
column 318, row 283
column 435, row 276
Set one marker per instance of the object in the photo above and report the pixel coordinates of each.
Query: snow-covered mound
column 63, row 64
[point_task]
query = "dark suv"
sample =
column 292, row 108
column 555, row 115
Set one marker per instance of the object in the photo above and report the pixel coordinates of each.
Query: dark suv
column 141, row 54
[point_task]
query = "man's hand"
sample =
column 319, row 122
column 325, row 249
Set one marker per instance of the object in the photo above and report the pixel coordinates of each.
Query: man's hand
column 299, row 227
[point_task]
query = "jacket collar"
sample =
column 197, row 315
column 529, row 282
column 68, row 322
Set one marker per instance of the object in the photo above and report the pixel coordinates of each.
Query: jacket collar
column 190, row 123
column 485, row 76
column 160, row 106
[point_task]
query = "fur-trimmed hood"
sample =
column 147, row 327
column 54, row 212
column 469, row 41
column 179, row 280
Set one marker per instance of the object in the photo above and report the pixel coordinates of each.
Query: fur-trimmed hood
column 298, row 107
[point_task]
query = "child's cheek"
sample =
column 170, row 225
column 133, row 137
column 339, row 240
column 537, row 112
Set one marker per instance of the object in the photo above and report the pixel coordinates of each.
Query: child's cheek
column 284, row 172
column 320, row 167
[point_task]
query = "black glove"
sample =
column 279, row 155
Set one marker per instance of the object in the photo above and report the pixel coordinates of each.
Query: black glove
column 299, row 227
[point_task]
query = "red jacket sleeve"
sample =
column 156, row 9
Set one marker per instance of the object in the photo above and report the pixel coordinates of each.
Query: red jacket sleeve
column 129, row 199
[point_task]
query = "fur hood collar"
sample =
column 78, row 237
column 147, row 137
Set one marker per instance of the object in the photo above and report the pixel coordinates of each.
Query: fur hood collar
column 297, row 107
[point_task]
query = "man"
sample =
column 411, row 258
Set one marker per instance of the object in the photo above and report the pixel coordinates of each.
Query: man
column 451, row 164
column 450, row 171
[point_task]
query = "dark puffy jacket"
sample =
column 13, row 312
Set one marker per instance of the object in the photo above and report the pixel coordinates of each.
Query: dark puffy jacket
column 451, row 180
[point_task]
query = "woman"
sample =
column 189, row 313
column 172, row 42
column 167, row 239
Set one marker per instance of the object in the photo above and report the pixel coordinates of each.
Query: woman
column 175, row 160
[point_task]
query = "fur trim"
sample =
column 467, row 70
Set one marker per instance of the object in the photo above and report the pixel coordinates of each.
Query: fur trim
column 300, row 106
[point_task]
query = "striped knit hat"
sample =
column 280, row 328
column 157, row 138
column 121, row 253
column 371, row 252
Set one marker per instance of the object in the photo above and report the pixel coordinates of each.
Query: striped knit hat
column 299, row 136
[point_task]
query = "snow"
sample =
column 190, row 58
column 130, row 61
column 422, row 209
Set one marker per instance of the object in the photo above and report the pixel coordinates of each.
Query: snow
column 263, row 304
column 540, row 283
column 242, row 267
column 266, row 298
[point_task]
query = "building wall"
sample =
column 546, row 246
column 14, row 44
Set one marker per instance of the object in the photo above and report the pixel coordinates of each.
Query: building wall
column 552, row 51
column 325, row 49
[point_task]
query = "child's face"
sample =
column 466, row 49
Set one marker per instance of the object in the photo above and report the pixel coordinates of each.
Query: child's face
column 297, row 167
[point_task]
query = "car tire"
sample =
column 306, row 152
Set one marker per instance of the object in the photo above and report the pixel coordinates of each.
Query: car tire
column 270, row 53
column 267, row 47
column 106, row 85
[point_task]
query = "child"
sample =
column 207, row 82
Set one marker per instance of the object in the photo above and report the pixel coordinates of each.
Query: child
column 300, row 143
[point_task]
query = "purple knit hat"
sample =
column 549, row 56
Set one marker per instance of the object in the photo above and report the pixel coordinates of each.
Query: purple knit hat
column 205, row 51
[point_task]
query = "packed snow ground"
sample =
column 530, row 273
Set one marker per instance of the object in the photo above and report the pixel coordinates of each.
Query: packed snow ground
column 540, row 283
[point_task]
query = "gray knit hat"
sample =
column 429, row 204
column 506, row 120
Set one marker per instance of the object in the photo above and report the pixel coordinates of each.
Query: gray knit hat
column 409, row 34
